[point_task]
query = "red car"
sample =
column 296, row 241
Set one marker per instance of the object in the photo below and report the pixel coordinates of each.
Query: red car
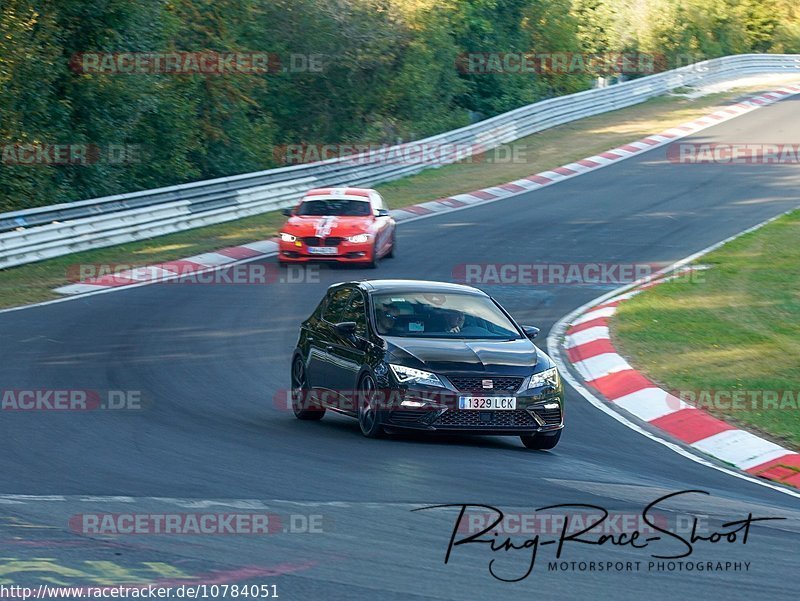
column 344, row 225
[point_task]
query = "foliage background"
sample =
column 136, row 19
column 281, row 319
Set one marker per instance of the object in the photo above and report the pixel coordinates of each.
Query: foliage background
column 389, row 74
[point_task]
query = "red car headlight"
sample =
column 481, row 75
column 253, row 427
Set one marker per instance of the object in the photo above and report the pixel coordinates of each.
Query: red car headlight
column 358, row 238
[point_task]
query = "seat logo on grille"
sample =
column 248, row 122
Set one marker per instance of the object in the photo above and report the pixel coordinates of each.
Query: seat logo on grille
column 487, row 383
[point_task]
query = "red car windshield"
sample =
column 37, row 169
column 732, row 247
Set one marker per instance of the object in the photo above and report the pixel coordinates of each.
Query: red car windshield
column 334, row 207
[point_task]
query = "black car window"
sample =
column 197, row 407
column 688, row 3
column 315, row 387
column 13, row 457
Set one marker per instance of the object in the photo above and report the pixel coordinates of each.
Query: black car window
column 337, row 302
column 356, row 312
column 440, row 315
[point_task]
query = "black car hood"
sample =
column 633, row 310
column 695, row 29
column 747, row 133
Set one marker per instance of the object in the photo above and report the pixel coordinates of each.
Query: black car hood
column 512, row 357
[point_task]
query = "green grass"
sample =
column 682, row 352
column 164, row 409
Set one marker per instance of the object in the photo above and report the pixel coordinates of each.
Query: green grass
column 542, row 151
column 736, row 328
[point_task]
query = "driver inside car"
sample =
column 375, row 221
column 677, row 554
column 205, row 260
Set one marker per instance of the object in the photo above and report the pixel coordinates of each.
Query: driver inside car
column 387, row 319
column 455, row 321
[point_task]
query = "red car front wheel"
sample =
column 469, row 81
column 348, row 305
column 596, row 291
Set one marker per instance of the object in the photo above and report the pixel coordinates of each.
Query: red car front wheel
column 390, row 254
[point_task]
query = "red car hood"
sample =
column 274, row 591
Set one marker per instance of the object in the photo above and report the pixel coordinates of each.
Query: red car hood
column 327, row 226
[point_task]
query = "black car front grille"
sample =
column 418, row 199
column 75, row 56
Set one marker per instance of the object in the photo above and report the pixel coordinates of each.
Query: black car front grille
column 549, row 416
column 316, row 241
column 475, row 384
column 471, row 418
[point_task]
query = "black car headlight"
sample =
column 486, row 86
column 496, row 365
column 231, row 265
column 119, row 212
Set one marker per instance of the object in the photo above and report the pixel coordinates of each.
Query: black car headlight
column 410, row 375
column 547, row 377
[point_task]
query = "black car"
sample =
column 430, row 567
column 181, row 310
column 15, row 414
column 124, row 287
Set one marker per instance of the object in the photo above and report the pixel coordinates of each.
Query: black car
column 440, row 357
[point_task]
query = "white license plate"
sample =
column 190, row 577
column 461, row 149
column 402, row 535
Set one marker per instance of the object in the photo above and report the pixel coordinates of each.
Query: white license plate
column 322, row 250
column 488, row 403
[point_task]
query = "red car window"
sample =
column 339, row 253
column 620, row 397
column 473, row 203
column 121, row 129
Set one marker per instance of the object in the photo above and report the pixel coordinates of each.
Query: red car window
column 334, row 207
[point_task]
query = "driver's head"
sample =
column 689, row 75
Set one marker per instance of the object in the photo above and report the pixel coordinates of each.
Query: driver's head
column 455, row 319
column 387, row 316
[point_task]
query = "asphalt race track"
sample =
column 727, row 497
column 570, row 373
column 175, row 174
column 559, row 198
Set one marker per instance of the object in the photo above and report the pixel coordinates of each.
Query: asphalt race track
column 210, row 360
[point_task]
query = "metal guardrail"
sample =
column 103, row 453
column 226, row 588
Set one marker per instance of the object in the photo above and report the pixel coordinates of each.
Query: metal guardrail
column 35, row 234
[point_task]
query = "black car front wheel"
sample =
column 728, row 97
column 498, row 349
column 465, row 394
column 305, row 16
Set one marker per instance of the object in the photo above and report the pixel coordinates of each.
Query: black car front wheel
column 541, row 442
column 369, row 414
column 302, row 404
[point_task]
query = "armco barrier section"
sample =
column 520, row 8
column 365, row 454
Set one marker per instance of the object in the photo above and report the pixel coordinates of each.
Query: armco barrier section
column 35, row 234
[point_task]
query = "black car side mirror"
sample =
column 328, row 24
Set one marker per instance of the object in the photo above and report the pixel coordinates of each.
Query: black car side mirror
column 288, row 212
column 382, row 213
column 347, row 328
column 531, row 331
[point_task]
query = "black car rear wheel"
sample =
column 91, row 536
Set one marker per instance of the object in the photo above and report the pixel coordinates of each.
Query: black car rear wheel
column 541, row 442
column 302, row 404
column 369, row 414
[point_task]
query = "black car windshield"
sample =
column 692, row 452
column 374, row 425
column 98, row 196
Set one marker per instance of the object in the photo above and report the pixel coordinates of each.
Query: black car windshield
column 335, row 207
column 440, row 315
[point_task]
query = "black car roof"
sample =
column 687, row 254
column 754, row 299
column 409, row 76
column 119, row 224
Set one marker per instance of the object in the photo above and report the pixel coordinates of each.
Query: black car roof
column 371, row 286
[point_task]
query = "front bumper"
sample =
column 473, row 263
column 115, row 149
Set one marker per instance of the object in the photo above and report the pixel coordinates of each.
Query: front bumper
column 345, row 252
column 530, row 417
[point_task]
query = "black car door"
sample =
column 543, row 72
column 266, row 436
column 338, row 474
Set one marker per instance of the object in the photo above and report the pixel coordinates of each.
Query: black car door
column 348, row 349
column 321, row 372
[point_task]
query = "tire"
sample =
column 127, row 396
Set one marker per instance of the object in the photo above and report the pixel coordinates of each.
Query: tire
column 300, row 394
column 390, row 254
column 369, row 417
column 374, row 262
column 541, row 442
